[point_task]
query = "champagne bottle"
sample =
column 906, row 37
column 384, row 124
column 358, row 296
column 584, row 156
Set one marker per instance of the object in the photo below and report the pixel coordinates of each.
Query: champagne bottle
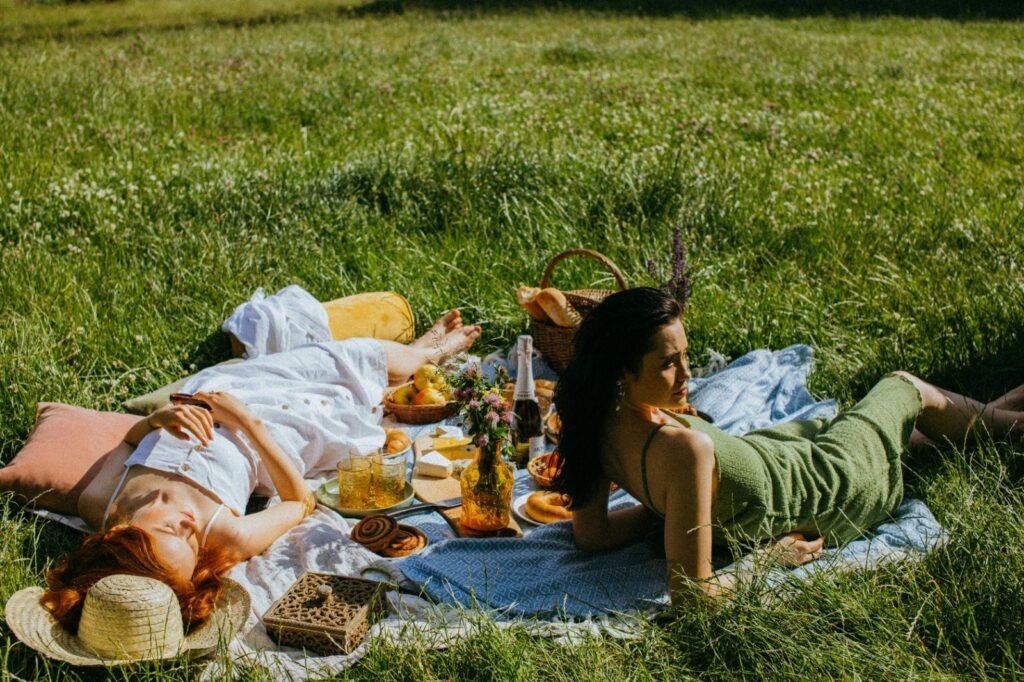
column 527, row 430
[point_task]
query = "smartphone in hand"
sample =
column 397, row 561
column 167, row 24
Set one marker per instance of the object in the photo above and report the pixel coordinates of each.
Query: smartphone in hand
column 187, row 399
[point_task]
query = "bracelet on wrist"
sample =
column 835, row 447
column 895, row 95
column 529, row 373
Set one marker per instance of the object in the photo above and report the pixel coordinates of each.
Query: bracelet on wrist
column 308, row 504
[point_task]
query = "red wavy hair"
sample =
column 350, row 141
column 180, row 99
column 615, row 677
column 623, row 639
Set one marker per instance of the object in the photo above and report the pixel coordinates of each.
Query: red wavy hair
column 129, row 550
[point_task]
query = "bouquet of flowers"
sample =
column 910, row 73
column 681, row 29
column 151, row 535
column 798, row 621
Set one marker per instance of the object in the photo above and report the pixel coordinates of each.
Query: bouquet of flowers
column 486, row 483
column 487, row 417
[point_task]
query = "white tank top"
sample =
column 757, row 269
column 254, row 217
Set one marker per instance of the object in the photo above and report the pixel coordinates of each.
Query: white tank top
column 226, row 468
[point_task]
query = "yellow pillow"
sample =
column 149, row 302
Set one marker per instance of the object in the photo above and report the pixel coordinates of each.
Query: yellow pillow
column 375, row 314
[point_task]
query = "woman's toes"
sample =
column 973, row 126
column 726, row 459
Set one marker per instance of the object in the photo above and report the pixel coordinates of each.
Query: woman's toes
column 463, row 338
column 453, row 320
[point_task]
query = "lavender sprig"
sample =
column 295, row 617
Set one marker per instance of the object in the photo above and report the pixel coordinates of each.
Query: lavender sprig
column 678, row 284
column 652, row 268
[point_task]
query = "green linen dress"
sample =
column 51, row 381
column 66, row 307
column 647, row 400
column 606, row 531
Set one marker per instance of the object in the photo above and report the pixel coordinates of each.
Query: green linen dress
column 835, row 478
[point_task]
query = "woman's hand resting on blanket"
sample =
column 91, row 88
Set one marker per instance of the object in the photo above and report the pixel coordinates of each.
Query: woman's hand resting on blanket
column 227, row 409
column 182, row 420
column 794, row 549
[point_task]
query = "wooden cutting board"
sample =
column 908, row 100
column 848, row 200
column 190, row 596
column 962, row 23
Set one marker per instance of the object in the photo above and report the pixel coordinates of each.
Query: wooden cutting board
column 437, row 489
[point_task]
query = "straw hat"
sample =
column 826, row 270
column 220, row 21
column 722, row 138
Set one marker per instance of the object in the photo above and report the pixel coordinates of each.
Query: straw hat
column 125, row 618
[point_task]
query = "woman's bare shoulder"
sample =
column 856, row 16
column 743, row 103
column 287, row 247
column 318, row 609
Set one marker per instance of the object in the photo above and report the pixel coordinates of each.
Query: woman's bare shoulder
column 682, row 445
column 226, row 528
column 97, row 493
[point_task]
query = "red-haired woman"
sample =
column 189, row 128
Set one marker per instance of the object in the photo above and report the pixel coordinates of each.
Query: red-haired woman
column 170, row 502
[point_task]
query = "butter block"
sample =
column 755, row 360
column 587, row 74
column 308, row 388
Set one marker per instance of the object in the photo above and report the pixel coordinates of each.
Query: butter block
column 434, row 465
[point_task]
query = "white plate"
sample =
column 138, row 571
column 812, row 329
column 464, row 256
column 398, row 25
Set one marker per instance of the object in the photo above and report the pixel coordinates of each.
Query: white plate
column 519, row 509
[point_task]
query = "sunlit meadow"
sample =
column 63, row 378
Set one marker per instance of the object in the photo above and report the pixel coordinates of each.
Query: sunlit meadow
column 847, row 181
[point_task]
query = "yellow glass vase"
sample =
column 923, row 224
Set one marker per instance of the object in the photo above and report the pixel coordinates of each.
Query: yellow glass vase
column 487, row 491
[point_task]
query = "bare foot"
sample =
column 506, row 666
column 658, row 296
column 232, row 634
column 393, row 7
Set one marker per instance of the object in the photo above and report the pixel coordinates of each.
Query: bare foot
column 455, row 341
column 460, row 339
column 450, row 321
column 1012, row 400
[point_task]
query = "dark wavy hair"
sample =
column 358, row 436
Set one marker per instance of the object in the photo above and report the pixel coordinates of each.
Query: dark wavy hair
column 611, row 341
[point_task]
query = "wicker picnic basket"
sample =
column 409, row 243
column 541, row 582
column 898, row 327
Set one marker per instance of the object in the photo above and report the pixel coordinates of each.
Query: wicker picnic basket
column 417, row 414
column 555, row 342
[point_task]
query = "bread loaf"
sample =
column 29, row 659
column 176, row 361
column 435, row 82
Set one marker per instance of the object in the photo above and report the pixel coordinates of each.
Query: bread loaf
column 526, row 297
column 557, row 308
column 547, row 506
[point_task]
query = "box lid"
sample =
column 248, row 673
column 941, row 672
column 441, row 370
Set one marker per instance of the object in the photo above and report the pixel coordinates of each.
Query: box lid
column 326, row 602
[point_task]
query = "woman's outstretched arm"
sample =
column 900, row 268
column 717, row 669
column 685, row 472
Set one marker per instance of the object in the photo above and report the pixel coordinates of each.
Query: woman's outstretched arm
column 686, row 462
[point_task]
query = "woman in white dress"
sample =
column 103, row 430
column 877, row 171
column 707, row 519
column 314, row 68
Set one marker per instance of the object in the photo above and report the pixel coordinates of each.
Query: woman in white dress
column 170, row 502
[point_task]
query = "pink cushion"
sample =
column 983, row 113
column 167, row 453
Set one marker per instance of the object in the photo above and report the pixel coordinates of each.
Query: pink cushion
column 63, row 453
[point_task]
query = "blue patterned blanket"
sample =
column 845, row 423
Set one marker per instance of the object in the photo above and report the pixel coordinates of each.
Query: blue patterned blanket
column 544, row 575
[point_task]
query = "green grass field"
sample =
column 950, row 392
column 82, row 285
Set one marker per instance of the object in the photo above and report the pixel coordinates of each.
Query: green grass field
column 848, row 182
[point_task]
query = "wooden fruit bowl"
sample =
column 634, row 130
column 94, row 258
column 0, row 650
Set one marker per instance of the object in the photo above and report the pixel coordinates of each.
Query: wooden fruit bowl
column 417, row 414
column 542, row 470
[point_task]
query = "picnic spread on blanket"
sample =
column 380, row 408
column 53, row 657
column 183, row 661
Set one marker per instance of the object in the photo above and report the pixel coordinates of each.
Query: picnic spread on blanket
column 421, row 512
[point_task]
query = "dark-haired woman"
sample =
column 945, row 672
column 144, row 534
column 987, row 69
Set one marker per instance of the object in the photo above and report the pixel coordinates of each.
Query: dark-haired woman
column 801, row 485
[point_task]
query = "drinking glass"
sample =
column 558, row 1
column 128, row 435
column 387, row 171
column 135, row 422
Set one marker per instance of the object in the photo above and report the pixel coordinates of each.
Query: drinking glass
column 388, row 477
column 355, row 489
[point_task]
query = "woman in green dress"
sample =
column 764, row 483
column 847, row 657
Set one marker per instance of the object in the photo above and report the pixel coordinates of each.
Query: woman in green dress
column 801, row 485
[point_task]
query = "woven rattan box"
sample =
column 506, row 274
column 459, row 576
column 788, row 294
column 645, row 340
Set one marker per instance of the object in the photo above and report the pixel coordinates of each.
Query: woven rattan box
column 325, row 613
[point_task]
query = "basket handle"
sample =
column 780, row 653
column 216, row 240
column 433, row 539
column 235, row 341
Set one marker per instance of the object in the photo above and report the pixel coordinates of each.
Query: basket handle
column 545, row 280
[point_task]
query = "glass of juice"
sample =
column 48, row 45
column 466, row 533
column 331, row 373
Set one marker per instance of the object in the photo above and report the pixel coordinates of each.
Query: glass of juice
column 388, row 477
column 355, row 489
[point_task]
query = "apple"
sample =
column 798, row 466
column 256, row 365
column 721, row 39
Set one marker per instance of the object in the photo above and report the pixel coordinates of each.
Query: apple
column 429, row 376
column 404, row 395
column 429, row 396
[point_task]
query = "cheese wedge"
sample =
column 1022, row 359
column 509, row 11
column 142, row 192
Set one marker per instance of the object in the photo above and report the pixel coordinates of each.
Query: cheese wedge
column 467, row 451
column 440, row 443
column 434, row 465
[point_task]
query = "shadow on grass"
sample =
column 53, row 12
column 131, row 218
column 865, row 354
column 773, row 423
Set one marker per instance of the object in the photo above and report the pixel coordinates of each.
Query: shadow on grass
column 214, row 348
column 985, row 377
column 75, row 30
column 952, row 9
column 695, row 9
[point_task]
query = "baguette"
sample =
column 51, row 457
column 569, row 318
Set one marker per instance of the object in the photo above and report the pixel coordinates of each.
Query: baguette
column 526, row 297
column 557, row 308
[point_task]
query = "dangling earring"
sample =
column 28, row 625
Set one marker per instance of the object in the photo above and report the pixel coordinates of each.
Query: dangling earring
column 620, row 395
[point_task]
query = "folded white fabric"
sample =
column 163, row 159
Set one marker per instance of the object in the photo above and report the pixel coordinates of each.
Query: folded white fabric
column 271, row 324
